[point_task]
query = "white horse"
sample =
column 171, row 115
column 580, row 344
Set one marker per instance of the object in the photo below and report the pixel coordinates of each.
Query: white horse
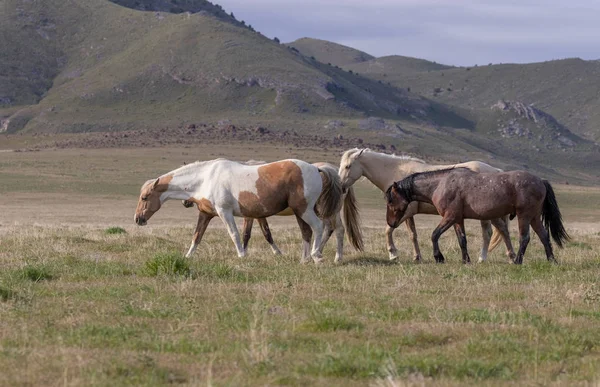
column 383, row 170
column 227, row 189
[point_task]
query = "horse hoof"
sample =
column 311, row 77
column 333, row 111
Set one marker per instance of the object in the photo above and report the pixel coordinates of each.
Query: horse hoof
column 318, row 261
column 481, row 260
column 417, row 259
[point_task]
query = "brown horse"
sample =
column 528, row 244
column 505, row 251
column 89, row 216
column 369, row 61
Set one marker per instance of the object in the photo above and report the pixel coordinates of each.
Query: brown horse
column 460, row 194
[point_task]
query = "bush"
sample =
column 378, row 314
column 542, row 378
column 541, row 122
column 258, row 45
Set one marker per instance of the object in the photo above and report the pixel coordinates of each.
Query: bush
column 115, row 230
column 172, row 263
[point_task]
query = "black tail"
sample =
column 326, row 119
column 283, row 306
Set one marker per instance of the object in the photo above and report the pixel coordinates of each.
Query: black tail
column 552, row 218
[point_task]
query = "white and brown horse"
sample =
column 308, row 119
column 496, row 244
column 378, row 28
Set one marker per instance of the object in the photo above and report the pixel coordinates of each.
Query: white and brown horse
column 350, row 224
column 227, row 189
column 383, row 170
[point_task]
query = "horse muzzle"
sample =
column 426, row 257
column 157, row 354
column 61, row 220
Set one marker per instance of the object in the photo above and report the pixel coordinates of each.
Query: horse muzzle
column 140, row 220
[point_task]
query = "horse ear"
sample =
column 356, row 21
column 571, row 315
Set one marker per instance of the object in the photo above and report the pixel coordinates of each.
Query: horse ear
column 360, row 153
column 395, row 185
column 155, row 184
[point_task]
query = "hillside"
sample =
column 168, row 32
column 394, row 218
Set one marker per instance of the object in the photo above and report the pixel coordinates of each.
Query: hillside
column 567, row 89
column 329, row 52
column 106, row 67
column 393, row 68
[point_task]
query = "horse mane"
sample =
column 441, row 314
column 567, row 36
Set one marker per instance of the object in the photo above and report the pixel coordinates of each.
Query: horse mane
column 405, row 187
column 351, row 152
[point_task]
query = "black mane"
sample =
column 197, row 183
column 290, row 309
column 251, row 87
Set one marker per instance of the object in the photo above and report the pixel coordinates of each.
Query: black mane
column 406, row 185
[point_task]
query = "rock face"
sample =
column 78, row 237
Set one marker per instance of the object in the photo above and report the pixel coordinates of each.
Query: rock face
column 518, row 126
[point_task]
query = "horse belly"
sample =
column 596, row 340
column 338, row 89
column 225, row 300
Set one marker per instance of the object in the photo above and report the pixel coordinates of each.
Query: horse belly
column 287, row 212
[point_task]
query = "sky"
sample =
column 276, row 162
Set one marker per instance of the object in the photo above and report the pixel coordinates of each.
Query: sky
column 454, row 32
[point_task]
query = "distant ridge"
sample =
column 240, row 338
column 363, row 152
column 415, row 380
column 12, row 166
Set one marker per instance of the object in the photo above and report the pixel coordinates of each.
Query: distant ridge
column 329, row 52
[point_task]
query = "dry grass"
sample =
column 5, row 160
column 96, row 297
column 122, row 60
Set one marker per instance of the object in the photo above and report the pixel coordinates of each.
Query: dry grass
column 82, row 305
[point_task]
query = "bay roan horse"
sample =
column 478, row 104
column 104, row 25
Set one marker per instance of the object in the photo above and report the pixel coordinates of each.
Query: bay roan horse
column 460, row 194
column 349, row 225
column 383, row 170
column 227, row 189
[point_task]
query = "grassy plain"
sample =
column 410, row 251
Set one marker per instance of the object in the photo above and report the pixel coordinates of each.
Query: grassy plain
column 88, row 298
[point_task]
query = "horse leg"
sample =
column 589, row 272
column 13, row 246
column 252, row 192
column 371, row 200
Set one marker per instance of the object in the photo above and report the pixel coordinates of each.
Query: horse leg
column 203, row 221
column 541, row 232
column 306, row 237
column 502, row 227
column 264, row 226
column 486, row 231
column 316, row 225
column 523, row 238
column 412, row 229
column 339, row 237
column 247, row 231
column 327, row 232
column 391, row 248
column 229, row 221
column 459, row 228
column 444, row 225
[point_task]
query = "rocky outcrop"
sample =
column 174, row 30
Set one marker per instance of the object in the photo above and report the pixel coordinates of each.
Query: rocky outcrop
column 519, row 126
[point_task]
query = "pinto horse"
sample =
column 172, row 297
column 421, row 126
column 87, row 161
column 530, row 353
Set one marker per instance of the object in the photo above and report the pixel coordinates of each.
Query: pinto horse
column 227, row 189
column 382, row 170
column 460, row 194
column 350, row 224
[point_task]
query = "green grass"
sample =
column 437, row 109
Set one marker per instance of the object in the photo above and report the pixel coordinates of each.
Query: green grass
column 147, row 315
column 115, row 231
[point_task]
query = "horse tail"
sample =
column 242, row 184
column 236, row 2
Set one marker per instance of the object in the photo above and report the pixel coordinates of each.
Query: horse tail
column 552, row 218
column 329, row 202
column 497, row 235
column 352, row 220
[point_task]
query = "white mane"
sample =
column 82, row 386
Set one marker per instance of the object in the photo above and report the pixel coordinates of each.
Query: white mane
column 353, row 152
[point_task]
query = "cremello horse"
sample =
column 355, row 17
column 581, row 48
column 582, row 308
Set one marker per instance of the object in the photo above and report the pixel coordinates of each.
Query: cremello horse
column 227, row 189
column 383, row 170
column 334, row 223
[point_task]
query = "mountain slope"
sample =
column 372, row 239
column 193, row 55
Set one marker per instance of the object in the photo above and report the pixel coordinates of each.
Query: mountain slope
column 568, row 89
column 109, row 67
column 393, row 68
column 329, row 52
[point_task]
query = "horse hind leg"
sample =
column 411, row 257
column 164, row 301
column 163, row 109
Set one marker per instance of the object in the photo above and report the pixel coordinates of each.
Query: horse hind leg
column 339, row 237
column 247, row 231
column 306, row 237
column 264, row 226
column 523, row 238
column 311, row 218
column 486, row 231
column 541, row 232
column 459, row 228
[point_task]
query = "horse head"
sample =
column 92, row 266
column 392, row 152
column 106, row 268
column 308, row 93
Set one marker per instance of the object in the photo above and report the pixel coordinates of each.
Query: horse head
column 350, row 168
column 397, row 202
column 150, row 199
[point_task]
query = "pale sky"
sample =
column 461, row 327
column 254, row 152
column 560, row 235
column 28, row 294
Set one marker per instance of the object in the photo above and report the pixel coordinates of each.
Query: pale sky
column 455, row 32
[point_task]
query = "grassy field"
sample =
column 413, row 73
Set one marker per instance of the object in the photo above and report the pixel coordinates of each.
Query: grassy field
column 88, row 298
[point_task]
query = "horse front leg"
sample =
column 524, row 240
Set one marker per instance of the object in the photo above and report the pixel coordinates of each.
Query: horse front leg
column 459, row 228
column 203, row 221
column 444, row 225
column 264, row 226
column 229, row 221
column 412, row 229
column 391, row 248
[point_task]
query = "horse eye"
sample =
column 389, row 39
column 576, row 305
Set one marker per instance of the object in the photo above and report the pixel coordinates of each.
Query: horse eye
column 144, row 198
column 348, row 166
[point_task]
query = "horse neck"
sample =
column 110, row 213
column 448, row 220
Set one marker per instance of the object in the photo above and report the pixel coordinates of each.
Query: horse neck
column 183, row 184
column 424, row 187
column 383, row 170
